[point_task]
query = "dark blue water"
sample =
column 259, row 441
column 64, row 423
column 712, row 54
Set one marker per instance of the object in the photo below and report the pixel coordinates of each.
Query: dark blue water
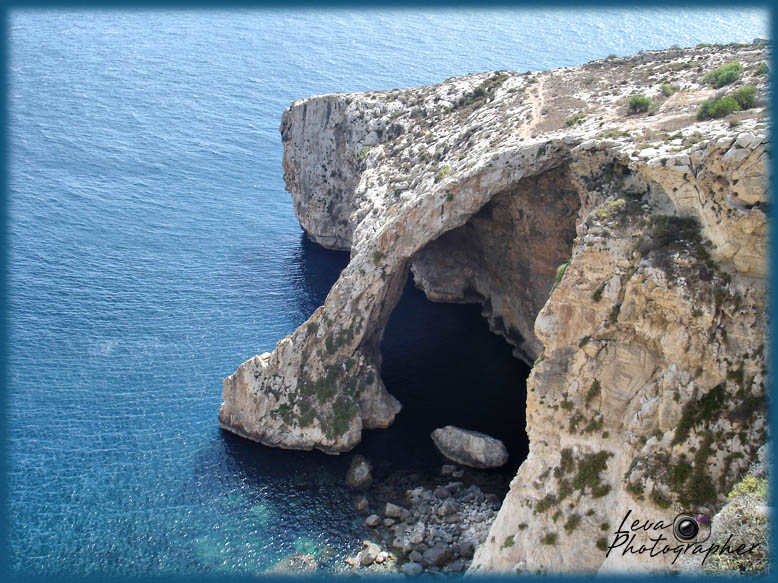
column 153, row 249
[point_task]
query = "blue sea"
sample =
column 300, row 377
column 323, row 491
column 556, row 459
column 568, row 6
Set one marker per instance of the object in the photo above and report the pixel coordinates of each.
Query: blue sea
column 153, row 248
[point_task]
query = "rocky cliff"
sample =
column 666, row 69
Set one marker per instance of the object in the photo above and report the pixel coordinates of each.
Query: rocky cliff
column 623, row 252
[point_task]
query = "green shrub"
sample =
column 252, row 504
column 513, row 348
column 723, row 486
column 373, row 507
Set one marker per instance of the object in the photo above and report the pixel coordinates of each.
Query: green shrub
column 635, row 488
column 377, row 255
column 545, row 503
column 612, row 56
column 442, row 173
column 762, row 69
column 549, row 538
column 508, row 542
column 343, row 412
column 614, row 314
column 745, row 97
column 658, row 498
column 602, row 543
column 679, row 473
column 742, row 519
column 667, row 90
column 576, row 119
column 589, row 468
column 638, row 104
column 749, row 486
column 724, row 75
column 560, row 272
column 593, row 391
column 364, row 152
column 717, row 108
column 572, row 523
column 614, row 133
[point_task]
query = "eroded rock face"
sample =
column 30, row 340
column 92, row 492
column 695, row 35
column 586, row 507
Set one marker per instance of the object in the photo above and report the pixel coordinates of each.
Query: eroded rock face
column 470, row 448
column 506, row 256
column 648, row 389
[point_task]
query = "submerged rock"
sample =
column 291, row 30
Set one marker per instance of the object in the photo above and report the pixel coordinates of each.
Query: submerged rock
column 359, row 474
column 470, row 448
column 411, row 569
column 369, row 554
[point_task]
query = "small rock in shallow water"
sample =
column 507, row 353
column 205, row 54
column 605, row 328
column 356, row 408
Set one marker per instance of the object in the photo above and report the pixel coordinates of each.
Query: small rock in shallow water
column 447, row 470
column 361, row 503
column 359, row 474
column 298, row 563
column 415, row 556
column 367, row 555
column 381, row 557
column 373, row 520
column 388, row 522
column 411, row 569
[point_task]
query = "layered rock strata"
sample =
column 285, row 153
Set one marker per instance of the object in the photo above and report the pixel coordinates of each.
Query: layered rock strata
column 625, row 254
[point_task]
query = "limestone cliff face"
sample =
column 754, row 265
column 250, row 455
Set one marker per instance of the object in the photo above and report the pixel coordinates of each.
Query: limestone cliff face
column 647, row 391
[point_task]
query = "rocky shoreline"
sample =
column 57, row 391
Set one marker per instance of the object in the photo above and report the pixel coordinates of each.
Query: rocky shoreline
column 426, row 523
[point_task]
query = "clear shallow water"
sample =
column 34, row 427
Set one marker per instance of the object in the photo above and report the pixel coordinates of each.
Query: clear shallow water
column 153, row 249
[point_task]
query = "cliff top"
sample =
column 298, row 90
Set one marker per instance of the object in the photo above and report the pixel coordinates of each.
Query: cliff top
column 587, row 101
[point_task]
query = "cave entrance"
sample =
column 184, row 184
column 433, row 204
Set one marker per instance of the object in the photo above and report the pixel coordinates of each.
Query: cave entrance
column 442, row 359
column 445, row 366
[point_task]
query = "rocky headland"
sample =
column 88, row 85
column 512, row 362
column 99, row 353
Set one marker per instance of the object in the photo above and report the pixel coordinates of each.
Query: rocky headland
column 610, row 219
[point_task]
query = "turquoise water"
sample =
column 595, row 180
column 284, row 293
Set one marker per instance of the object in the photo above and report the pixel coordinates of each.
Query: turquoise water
column 153, row 249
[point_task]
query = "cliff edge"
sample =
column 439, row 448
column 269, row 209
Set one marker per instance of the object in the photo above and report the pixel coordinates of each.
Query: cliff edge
column 619, row 244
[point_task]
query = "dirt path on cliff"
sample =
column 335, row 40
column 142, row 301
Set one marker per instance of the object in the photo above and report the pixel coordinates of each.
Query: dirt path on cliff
column 536, row 103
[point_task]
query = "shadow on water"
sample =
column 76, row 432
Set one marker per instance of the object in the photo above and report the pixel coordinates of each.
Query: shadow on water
column 314, row 271
column 446, row 368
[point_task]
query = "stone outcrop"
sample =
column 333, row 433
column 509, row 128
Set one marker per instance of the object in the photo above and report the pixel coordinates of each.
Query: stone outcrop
column 624, row 254
column 359, row 475
column 470, row 448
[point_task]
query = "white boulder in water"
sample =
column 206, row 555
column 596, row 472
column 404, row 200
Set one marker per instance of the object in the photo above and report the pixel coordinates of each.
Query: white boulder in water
column 470, row 448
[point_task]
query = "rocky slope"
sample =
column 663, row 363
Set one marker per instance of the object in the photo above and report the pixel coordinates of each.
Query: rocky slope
column 625, row 254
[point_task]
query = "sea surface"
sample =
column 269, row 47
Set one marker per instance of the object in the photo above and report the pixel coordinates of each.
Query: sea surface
column 153, row 249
